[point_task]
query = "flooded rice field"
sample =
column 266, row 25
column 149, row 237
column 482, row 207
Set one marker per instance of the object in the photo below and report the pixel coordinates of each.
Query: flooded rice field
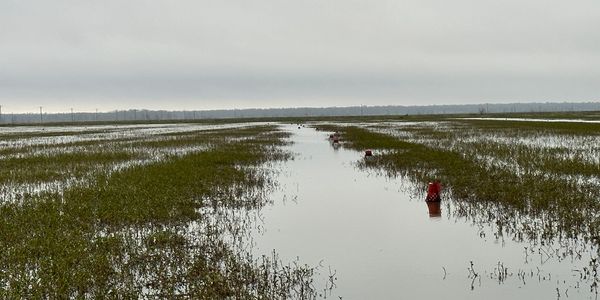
column 377, row 236
column 277, row 211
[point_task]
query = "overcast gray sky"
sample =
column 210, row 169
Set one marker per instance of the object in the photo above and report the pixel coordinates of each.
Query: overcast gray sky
column 198, row 54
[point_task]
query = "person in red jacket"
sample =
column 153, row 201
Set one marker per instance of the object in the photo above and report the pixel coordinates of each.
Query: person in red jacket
column 433, row 191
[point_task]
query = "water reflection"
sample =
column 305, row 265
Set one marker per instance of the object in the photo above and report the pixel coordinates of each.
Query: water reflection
column 434, row 207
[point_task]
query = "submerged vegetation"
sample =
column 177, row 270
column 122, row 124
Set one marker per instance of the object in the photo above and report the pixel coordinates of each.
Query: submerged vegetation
column 116, row 214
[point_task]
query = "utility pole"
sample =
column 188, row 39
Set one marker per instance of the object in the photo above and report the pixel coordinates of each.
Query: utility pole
column 41, row 116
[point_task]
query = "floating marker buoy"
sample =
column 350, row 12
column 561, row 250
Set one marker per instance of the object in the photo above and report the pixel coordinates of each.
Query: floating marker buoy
column 433, row 191
column 368, row 152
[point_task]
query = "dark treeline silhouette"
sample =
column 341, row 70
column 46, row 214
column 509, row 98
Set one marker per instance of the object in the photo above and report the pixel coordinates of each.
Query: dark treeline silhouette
column 163, row 115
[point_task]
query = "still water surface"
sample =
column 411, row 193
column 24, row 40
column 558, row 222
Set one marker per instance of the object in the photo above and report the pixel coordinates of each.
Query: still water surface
column 381, row 242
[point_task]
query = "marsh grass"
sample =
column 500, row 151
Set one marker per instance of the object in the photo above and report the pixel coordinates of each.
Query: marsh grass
column 164, row 229
column 28, row 166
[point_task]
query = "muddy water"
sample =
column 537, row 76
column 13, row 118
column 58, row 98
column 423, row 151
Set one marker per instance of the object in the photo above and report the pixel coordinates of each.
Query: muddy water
column 382, row 243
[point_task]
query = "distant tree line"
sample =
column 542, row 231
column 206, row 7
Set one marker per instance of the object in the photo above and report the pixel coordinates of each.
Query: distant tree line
column 162, row 115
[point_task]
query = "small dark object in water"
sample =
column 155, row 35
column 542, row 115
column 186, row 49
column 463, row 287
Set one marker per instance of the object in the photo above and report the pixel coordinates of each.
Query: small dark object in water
column 368, row 152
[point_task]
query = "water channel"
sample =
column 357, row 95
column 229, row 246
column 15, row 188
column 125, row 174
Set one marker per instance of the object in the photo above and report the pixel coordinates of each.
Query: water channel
column 381, row 242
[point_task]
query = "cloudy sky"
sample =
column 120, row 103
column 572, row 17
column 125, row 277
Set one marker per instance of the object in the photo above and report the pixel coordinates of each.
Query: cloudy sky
column 178, row 54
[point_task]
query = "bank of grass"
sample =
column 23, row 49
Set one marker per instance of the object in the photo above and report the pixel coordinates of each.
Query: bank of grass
column 567, row 209
column 570, row 128
column 144, row 232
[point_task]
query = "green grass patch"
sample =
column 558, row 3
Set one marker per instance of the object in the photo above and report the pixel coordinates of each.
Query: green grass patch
column 162, row 230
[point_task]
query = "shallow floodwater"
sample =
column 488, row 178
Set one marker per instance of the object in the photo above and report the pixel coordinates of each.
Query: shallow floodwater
column 381, row 243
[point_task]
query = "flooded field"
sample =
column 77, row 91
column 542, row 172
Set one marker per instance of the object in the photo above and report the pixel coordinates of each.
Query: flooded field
column 278, row 211
column 520, row 216
column 139, row 212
